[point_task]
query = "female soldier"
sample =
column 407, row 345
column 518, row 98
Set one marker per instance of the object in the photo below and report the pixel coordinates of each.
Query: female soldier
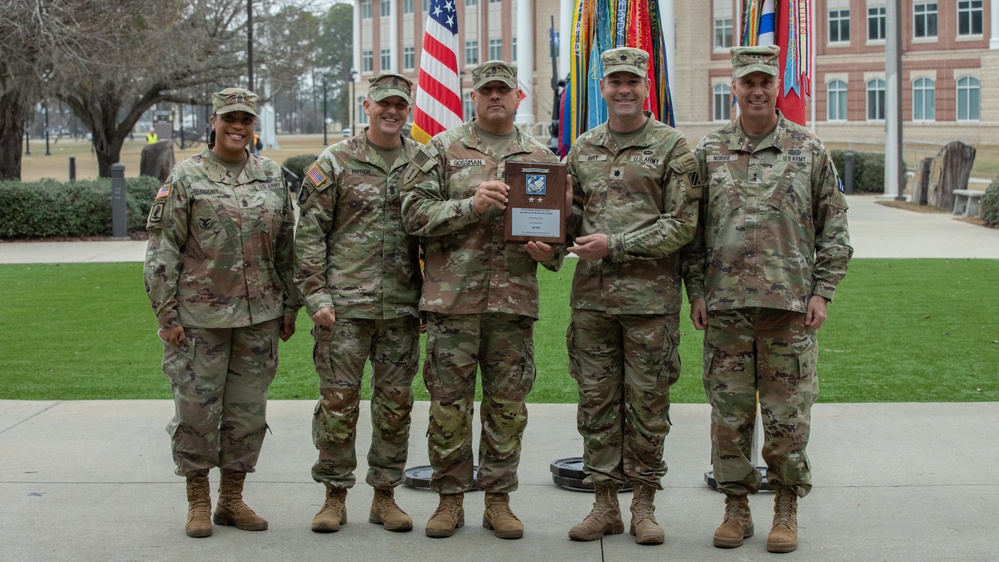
column 219, row 274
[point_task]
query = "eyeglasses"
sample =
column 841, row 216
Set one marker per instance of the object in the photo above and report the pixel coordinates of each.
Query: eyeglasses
column 246, row 121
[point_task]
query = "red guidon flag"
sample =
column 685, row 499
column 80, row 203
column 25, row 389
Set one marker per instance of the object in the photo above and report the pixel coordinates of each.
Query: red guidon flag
column 438, row 104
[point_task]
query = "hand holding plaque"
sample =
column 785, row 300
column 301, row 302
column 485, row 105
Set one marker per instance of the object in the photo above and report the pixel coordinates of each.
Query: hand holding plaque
column 536, row 202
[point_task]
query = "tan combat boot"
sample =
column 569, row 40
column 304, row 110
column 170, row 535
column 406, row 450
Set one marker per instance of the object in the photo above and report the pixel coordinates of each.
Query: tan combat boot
column 231, row 510
column 199, row 506
column 333, row 513
column 604, row 518
column 385, row 512
column 644, row 527
column 738, row 522
column 499, row 519
column 450, row 515
column 784, row 534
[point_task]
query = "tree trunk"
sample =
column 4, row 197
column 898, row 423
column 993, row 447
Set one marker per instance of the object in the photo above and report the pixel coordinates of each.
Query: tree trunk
column 12, row 119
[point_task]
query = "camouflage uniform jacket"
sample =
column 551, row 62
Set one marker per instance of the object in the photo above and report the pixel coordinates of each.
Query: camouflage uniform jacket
column 774, row 229
column 469, row 268
column 221, row 249
column 351, row 252
column 644, row 197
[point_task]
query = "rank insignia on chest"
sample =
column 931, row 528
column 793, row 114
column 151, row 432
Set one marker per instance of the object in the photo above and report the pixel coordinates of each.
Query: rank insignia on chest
column 316, row 176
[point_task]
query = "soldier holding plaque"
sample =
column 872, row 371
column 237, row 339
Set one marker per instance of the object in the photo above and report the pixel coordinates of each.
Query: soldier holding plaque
column 635, row 204
column 480, row 295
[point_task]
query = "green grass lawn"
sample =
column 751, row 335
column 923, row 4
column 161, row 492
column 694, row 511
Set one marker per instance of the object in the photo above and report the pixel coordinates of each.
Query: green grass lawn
column 899, row 330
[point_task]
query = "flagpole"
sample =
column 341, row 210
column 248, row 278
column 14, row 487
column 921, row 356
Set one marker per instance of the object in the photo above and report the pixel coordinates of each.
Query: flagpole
column 669, row 34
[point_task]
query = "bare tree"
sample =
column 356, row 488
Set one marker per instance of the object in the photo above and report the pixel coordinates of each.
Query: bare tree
column 33, row 34
column 164, row 51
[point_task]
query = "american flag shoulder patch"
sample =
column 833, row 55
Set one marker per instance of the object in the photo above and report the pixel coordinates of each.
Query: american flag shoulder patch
column 316, row 175
column 163, row 192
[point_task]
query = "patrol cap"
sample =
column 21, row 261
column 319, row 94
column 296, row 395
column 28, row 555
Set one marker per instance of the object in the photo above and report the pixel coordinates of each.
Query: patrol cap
column 746, row 60
column 625, row 59
column 494, row 71
column 388, row 84
column 234, row 99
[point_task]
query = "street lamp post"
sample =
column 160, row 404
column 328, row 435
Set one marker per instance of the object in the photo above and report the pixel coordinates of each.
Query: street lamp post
column 350, row 102
column 325, row 143
column 46, row 106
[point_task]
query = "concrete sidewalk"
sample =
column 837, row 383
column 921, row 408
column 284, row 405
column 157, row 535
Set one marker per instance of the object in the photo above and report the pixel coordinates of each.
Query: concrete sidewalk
column 93, row 480
column 876, row 231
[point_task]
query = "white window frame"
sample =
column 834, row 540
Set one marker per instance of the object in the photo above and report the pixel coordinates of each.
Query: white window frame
column 367, row 61
column 385, row 60
column 877, row 87
column 471, row 52
column 385, row 8
column 877, row 22
column 926, row 11
column 495, row 49
column 968, row 11
column 467, row 107
column 407, row 6
column 721, row 102
column 969, row 87
column 362, row 117
column 408, row 58
column 366, row 9
column 842, row 22
column 924, row 99
column 836, row 100
column 723, row 33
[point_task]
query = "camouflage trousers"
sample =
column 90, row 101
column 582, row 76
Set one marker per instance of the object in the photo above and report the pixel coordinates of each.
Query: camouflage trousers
column 624, row 365
column 770, row 352
column 393, row 348
column 501, row 346
column 219, row 379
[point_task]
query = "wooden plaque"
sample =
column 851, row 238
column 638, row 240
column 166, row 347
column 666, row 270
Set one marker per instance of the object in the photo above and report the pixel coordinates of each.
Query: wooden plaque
column 535, row 206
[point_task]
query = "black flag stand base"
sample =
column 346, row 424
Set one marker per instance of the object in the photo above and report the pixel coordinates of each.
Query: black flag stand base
column 766, row 486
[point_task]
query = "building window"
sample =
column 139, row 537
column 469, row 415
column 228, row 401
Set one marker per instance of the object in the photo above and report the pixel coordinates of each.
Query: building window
column 366, row 9
column 407, row 6
column 385, row 8
column 495, row 1
column 876, row 23
column 495, row 49
column 722, row 102
column 471, row 52
column 839, row 26
column 969, row 17
column 367, row 61
column 513, row 45
column 924, row 100
column 471, row 2
column 967, row 98
column 426, row 6
column 924, row 20
column 876, row 100
column 467, row 106
column 836, row 101
column 360, row 115
column 409, row 58
column 723, row 33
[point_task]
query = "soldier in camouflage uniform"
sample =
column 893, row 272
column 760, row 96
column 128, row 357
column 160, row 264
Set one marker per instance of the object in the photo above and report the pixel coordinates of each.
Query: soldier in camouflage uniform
column 635, row 205
column 218, row 271
column 481, row 298
column 359, row 274
column 772, row 246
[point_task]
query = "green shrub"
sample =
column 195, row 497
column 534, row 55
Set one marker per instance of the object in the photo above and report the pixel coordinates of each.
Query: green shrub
column 298, row 164
column 48, row 208
column 868, row 170
column 989, row 204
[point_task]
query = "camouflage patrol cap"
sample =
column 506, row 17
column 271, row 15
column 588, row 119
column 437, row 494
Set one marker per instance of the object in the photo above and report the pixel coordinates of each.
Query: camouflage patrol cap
column 234, row 99
column 388, row 84
column 625, row 59
column 494, row 71
column 746, row 60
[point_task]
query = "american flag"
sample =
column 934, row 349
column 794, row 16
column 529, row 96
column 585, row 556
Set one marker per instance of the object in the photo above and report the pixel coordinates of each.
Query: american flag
column 438, row 105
